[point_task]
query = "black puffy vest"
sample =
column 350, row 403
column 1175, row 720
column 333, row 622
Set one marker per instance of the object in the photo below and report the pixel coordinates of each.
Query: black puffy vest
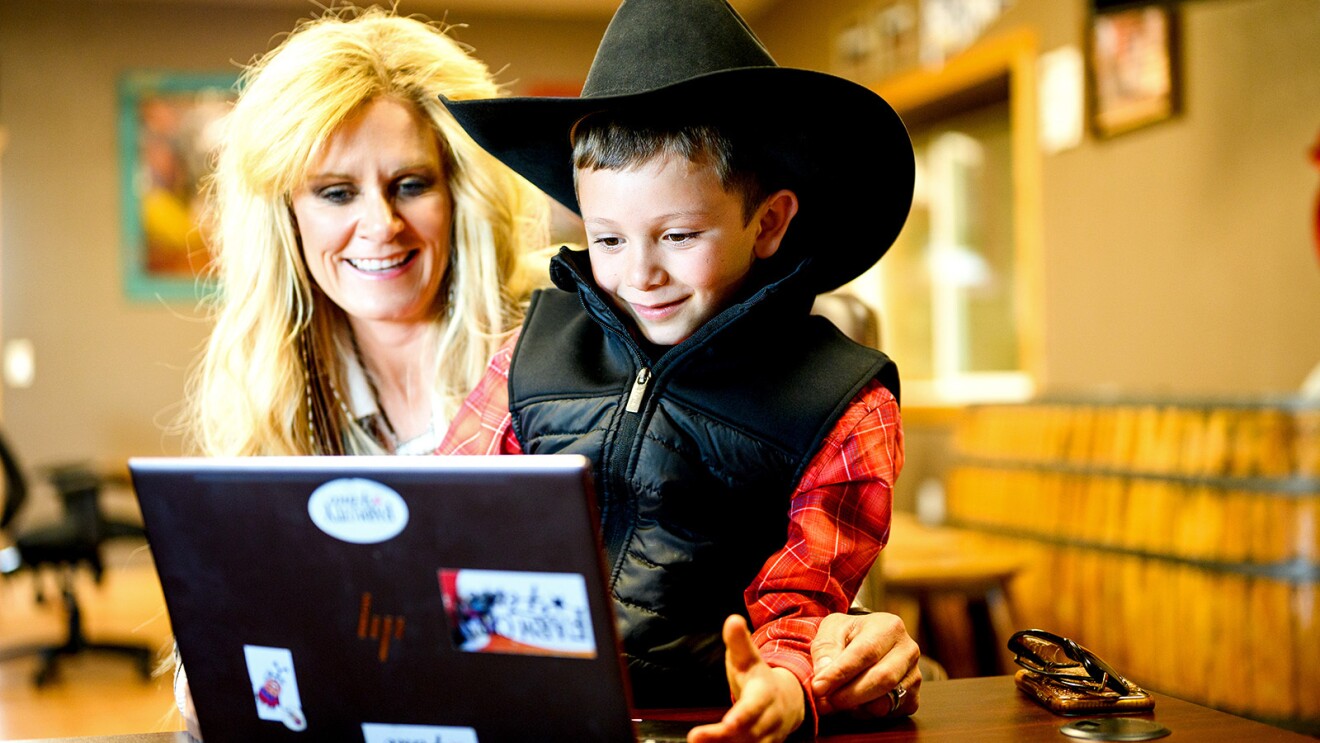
column 696, row 455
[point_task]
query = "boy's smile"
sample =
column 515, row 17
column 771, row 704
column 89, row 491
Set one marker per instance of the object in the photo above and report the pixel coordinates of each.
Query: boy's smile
column 670, row 246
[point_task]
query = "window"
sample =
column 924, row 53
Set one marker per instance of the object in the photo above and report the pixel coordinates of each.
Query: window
column 956, row 293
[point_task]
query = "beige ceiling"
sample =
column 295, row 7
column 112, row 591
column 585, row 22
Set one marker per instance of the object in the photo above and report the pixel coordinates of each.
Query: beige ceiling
column 537, row 8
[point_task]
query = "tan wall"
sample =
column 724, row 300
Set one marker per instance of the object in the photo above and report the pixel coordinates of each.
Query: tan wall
column 107, row 371
column 1180, row 258
column 1177, row 258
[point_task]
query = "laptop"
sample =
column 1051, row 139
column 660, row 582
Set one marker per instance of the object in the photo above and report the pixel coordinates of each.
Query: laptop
column 438, row 599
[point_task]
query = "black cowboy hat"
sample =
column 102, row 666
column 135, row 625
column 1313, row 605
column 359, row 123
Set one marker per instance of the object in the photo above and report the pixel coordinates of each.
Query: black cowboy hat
column 843, row 149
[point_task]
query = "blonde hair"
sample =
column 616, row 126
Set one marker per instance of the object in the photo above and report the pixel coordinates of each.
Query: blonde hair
column 274, row 354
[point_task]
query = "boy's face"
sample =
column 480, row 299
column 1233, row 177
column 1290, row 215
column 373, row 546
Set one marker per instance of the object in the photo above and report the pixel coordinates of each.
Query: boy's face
column 670, row 246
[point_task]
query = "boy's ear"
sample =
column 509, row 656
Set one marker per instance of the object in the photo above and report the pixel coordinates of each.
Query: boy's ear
column 776, row 213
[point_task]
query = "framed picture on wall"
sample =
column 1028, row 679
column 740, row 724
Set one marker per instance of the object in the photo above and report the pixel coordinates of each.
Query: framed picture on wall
column 1133, row 67
column 168, row 129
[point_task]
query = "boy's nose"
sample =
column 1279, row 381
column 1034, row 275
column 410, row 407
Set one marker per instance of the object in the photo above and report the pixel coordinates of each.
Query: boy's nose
column 644, row 271
column 378, row 221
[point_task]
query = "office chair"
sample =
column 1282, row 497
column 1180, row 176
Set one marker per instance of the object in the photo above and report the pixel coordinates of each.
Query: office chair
column 73, row 541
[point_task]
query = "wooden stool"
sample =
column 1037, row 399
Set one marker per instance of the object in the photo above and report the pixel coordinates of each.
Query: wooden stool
column 953, row 597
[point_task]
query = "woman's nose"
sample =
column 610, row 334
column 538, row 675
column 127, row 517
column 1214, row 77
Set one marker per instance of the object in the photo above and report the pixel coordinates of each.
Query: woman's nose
column 379, row 220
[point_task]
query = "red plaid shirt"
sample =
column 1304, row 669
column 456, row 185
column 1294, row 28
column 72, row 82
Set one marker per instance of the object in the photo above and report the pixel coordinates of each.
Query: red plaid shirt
column 838, row 517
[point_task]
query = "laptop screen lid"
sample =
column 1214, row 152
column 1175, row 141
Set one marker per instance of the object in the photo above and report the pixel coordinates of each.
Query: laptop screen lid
column 445, row 599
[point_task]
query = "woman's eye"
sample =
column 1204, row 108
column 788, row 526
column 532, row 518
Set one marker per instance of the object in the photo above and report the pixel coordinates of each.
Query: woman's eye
column 413, row 186
column 338, row 194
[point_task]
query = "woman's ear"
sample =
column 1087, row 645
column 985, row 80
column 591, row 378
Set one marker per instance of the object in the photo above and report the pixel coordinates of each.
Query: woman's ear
column 773, row 218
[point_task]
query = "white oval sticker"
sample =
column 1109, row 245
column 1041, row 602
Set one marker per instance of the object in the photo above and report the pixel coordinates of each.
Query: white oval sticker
column 358, row 510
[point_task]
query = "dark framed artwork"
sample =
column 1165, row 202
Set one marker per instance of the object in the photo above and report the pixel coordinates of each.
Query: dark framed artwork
column 1133, row 65
column 168, row 128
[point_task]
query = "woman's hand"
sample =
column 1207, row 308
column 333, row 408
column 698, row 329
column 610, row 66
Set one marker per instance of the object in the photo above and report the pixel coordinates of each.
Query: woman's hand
column 865, row 665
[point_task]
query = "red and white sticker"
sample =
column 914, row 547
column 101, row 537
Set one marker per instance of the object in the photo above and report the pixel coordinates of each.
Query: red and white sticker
column 524, row 613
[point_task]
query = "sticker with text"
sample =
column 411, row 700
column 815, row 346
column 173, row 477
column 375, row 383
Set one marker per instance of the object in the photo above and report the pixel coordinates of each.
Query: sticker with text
column 357, row 510
column 375, row 732
column 275, row 686
column 503, row 611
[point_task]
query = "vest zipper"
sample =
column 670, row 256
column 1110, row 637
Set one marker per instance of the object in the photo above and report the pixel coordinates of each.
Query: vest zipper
column 616, row 521
column 638, row 392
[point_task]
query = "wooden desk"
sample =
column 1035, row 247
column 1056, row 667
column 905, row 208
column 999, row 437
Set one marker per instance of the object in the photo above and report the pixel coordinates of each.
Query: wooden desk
column 985, row 710
column 991, row 710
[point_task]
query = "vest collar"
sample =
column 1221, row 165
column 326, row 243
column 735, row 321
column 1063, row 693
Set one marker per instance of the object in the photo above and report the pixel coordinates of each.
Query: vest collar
column 570, row 270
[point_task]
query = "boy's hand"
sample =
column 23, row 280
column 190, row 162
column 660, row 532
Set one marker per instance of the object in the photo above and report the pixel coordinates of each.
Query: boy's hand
column 859, row 660
column 769, row 702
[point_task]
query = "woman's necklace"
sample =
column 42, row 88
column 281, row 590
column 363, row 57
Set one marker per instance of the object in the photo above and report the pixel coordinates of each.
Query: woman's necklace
column 375, row 393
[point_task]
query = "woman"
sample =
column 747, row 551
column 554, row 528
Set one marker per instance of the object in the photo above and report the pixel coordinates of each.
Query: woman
column 367, row 251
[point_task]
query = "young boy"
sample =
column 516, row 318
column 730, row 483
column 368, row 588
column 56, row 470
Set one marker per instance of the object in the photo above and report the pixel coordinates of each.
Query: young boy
column 744, row 450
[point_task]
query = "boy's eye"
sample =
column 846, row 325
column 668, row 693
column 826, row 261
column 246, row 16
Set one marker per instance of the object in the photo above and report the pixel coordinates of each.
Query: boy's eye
column 681, row 237
column 606, row 241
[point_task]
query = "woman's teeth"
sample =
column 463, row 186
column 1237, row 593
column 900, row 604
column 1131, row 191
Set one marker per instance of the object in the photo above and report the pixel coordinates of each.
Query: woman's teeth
column 378, row 264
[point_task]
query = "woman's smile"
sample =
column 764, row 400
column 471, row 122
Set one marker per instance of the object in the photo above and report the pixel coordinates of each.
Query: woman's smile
column 383, row 267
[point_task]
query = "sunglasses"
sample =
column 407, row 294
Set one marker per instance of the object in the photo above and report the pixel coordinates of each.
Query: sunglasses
column 1062, row 661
